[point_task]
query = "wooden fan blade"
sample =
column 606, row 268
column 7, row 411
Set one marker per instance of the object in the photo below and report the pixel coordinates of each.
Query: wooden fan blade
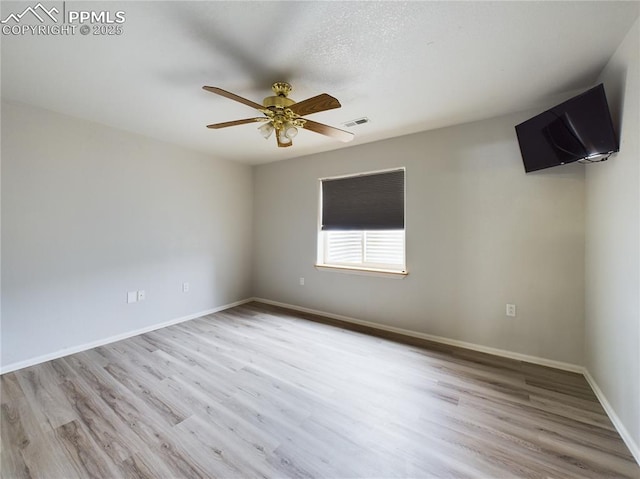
column 315, row 104
column 216, row 126
column 327, row 130
column 233, row 96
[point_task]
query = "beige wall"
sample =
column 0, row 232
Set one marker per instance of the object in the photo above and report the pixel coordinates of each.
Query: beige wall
column 480, row 234
column 90, row 213
column 613, row 249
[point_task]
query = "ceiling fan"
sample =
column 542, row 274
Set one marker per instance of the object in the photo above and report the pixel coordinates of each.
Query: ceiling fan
column 284, row 116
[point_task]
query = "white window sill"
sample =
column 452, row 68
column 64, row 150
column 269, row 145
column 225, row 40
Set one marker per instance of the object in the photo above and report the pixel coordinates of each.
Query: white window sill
column 363, row 271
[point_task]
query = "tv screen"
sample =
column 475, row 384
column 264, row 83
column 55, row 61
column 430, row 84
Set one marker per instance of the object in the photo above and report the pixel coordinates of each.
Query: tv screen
column 578, row 129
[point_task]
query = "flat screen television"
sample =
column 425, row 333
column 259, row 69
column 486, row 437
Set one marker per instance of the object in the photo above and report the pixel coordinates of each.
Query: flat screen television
column 578, row 129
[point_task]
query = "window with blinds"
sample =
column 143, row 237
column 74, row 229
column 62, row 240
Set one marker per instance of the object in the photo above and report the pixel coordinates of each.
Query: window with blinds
column 362, row 222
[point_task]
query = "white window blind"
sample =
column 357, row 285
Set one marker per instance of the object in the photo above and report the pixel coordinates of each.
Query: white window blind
column 384, row 247
column 377, row 249
column 344, row 247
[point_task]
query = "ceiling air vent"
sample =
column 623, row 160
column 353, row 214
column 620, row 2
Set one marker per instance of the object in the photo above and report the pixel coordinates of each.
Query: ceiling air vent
column 359, row 121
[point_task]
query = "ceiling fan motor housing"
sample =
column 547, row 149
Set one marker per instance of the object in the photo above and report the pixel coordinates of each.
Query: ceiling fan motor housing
column 280, row 100
column 277, row 102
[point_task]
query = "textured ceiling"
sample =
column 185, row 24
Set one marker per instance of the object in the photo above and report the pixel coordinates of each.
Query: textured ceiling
column 407, row 66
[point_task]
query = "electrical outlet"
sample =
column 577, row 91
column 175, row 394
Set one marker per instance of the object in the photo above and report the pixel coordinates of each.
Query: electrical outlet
column 511, row 310
column 301, row 281
column 141, row 295
column 185, row 287
column 132, row 297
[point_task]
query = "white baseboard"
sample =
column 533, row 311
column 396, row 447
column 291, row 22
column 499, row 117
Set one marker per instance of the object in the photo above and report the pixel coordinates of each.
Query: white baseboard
column 626, row 437
column 112, row 339
column 438, row 339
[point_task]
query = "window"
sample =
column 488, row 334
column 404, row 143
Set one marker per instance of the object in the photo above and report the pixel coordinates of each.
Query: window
column 362, row 222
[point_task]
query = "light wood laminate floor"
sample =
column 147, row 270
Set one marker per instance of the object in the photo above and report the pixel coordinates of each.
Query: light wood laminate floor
column 258, row 391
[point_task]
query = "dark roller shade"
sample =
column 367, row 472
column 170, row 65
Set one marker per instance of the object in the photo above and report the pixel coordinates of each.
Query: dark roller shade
column 368, row 202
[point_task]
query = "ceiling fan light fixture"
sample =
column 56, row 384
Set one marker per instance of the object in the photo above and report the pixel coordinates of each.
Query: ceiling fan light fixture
column 266, row 130
column 290, row 131
column 282, row 136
